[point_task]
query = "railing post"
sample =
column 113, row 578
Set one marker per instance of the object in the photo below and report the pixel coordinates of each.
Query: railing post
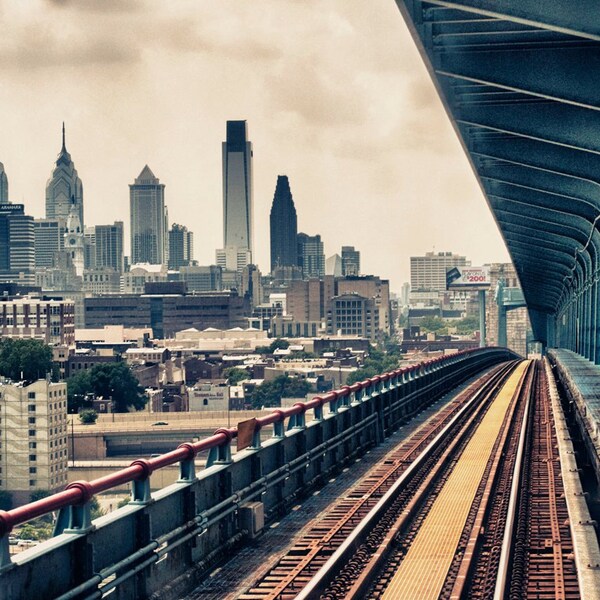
column 187, row 466
column 140, row 487
column 76, row 518
column 220, row 454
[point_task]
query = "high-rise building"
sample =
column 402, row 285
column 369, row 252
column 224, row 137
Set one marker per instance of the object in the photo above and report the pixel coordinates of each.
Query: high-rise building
column 147, row 212
column 3, row 186
column 17, row 245
column 49, row 239
column 109, row 246
column 311, row 258
column 353, row 314
column 284, row 226
column 238, row 235
column 429, row 272
column 64, row 187
column 333, row 265
column 350, row 261
column 33, row 429
column 89, row 247
column 181, row 246
column 202, row 278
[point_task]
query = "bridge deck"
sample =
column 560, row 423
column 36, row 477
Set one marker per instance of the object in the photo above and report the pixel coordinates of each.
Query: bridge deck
column 229, row 581
column 423, row 570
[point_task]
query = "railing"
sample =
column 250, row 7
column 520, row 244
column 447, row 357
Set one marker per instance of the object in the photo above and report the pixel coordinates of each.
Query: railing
column 187, row 521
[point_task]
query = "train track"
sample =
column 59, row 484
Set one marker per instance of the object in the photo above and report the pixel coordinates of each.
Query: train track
column 511, row 539
column 313, row 551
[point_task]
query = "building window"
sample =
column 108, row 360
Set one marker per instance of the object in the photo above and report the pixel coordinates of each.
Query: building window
column 32, row 445
column 32, row 432
column 32, row 457
column 32, row 470
column 32, row 482
column 31, row 395
column 31, row 407
column 32, row 420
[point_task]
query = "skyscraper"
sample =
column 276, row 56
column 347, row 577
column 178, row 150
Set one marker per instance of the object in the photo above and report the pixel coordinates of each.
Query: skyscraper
column 17, row 239
column 181, row 246
column 237, row 197
column 64, row 188
column 311, row 258
column 109, row 246
column 147, row 213
column 350, row 261
column 284, row 226
column 48, row 241
column 3, row 186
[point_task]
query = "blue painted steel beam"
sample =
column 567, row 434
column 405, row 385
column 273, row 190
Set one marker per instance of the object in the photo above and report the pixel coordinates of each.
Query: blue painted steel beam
column 551, row 73
column 554, row 15
column 580, row 128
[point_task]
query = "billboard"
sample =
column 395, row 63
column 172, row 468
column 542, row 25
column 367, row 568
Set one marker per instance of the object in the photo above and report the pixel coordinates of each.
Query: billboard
column 468, row 278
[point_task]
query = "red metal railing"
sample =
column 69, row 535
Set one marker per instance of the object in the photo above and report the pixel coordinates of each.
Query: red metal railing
column 80, row 492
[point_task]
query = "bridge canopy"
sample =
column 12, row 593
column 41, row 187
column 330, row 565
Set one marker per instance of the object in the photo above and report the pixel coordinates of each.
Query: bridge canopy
column 519, row 80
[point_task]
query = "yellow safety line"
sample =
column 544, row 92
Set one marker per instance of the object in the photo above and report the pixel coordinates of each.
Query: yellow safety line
column 424, row 569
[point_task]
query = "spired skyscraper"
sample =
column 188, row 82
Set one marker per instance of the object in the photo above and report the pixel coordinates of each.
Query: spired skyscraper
column 238, row 237
column 148, row 219
column 284, row 226
column 3, row 186
column 64, row 189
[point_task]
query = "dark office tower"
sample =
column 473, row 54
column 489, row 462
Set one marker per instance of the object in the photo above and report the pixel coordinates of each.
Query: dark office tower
column 311, row 258
column 181, row 247
column 17, row 239
column 284, row 226
column 350, row 261
column 238, row 238
column 147, row 212
column 109, row 246
column 64, row 188
column 3, row 186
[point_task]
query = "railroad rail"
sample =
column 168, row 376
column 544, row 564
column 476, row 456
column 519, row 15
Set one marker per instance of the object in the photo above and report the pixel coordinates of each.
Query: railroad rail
column 490, row 461
column 338, row 528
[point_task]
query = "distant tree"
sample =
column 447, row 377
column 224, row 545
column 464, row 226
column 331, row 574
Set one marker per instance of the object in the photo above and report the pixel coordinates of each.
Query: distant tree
column 6, row 501
column 109, row 380
column 78, row 386
column 88, row 416
column 116, row 381
column 27, row 359
column 270, row 393
column 95, row 509
column 467, row 325
column 433, row 324
column 235, row 375
column 276, row 344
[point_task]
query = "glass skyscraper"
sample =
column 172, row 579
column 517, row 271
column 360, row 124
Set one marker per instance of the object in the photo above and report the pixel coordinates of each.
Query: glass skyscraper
column 147, row 213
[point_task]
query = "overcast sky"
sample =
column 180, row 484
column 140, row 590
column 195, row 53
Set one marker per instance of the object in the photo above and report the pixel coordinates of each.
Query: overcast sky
column 334, row 91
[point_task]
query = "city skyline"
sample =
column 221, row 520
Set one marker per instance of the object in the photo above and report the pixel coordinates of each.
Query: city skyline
column 350, row 134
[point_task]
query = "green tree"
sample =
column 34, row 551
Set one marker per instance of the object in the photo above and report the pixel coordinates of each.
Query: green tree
column 467, row 325
column 109, row 380
column 27, row 359
column 235, row 375
column 6, row 501
column 78, row 386
column 88, row 416
column 275, row 345
column 270, row 393
column 433, row 324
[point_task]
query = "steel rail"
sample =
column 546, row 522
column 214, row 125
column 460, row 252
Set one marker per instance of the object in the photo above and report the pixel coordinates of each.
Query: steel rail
column 333, row 565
